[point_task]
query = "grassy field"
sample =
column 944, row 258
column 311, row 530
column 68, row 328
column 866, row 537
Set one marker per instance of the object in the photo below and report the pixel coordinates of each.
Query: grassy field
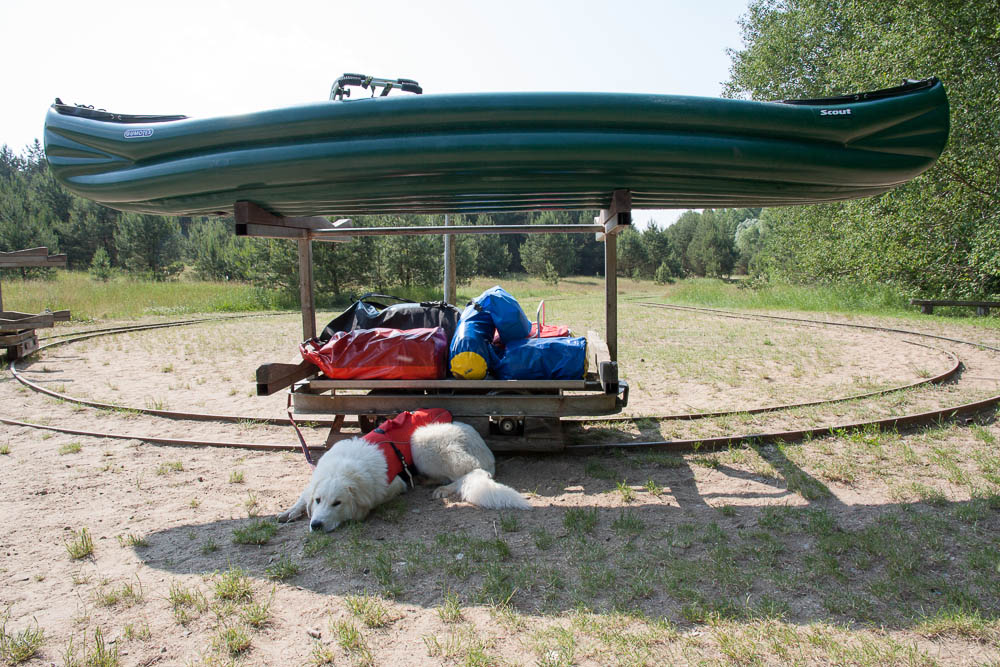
column 126, row 298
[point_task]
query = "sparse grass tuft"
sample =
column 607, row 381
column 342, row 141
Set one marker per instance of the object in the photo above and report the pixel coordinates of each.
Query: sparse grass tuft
column 98, row 654
column 236, row 477
column 628, row 523
column 463, row 646
column 81, row 546
column 130, row 632
column 626, row 491
column 257, row 614
column 544, row 540
column 554, row 646
column 169, row 467
column 133, row 540
column 126, row 595
column 960, row 623
column 510, row 523
column 350, row 638
column 258, row 531
column 369, row 609
column 251, row 504
column 233, row 640
column 70, row 448
column 598, row 470
column 18, row 647
column 450, row 610
column 186, row 603
column 234, row 585
column 283, row 569
column 579, row 520
column 321, row 655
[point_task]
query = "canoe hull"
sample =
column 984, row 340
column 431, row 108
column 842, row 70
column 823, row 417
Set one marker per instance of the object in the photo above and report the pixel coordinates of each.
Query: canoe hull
column 503, row 152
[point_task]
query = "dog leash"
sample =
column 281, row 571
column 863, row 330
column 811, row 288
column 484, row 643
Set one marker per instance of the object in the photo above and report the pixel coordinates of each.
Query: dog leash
column 302, row 440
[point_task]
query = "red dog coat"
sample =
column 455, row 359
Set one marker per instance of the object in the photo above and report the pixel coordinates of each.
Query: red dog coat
column 393, row 438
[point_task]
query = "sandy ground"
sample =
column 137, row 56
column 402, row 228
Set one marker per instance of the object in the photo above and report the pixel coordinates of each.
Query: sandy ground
column 186, row 502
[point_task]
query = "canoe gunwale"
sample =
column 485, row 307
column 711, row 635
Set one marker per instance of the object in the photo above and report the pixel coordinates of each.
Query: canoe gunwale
column 909, row 86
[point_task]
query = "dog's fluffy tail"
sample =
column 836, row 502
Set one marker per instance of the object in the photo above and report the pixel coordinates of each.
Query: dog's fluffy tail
column 479, row 488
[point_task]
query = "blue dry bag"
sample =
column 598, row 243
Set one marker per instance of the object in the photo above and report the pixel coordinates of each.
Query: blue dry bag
column 544, row 359
column 471, row 351
column 506, row 312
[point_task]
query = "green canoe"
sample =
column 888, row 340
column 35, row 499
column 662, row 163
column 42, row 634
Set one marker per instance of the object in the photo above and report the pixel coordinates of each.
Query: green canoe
column 495, row 152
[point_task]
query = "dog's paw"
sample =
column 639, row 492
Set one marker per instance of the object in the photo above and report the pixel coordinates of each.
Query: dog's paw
column 443, row 491
column 285, row 517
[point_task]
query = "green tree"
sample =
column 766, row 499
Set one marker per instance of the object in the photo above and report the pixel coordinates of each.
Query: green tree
column 218, row 254
column 932, row 235
column 632, row 258
column 100, row 266
column 483, row 254
column 748, row 240
column 549, row 256
column 149, row 245
column 711, row 251
column 87, row 227
column 664, row 261
column 25, row 221
column 680, row 234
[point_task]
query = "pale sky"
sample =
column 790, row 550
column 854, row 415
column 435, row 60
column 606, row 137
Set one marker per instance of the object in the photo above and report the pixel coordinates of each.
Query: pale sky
column 212, row 58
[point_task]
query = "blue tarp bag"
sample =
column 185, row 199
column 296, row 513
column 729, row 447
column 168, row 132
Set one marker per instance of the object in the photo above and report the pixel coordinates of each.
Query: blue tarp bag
column 506, row 312
column 543, row 359
column 471, row 351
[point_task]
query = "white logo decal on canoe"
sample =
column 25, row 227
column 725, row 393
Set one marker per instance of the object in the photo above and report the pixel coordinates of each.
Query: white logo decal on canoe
column 834, row 112
column 140, row 132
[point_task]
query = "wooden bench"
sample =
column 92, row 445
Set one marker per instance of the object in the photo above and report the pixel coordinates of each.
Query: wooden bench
column 927, row 305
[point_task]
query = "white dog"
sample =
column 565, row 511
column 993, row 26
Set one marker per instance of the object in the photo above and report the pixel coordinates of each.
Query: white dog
column 351, row 478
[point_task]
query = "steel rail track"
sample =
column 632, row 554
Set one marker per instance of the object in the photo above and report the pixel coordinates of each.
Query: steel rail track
column 965, row 411
column 197, row 416
column 907, row 421
column 166, row 414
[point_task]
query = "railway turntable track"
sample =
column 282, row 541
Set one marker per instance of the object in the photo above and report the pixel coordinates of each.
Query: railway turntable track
column 963, row 411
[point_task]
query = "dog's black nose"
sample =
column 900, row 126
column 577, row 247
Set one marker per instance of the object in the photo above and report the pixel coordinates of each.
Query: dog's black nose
column 316, row 525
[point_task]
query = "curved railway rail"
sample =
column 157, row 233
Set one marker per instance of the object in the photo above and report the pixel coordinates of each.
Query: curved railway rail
column 963, row 411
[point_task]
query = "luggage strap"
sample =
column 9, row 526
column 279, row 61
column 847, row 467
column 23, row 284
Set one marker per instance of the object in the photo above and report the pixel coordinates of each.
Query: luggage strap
column 374, row 295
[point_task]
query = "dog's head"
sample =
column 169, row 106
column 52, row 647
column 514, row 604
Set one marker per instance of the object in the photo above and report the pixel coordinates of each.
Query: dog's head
column 333, row 500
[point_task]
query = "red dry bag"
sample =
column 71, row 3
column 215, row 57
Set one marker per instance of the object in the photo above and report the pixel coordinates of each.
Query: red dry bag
column 380, row 354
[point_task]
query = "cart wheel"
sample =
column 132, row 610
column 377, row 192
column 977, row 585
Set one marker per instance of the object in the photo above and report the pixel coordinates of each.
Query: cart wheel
column 509, row 425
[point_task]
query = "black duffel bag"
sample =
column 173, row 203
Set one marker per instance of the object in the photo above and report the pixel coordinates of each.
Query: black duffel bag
column 366, row 313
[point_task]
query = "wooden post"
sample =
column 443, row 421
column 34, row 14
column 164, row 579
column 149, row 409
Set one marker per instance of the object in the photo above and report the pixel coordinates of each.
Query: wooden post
column 611, row 293
column 306, row 289
column 450, row 293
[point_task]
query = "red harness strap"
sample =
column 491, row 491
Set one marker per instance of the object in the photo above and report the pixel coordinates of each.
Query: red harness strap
column 393, row 438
